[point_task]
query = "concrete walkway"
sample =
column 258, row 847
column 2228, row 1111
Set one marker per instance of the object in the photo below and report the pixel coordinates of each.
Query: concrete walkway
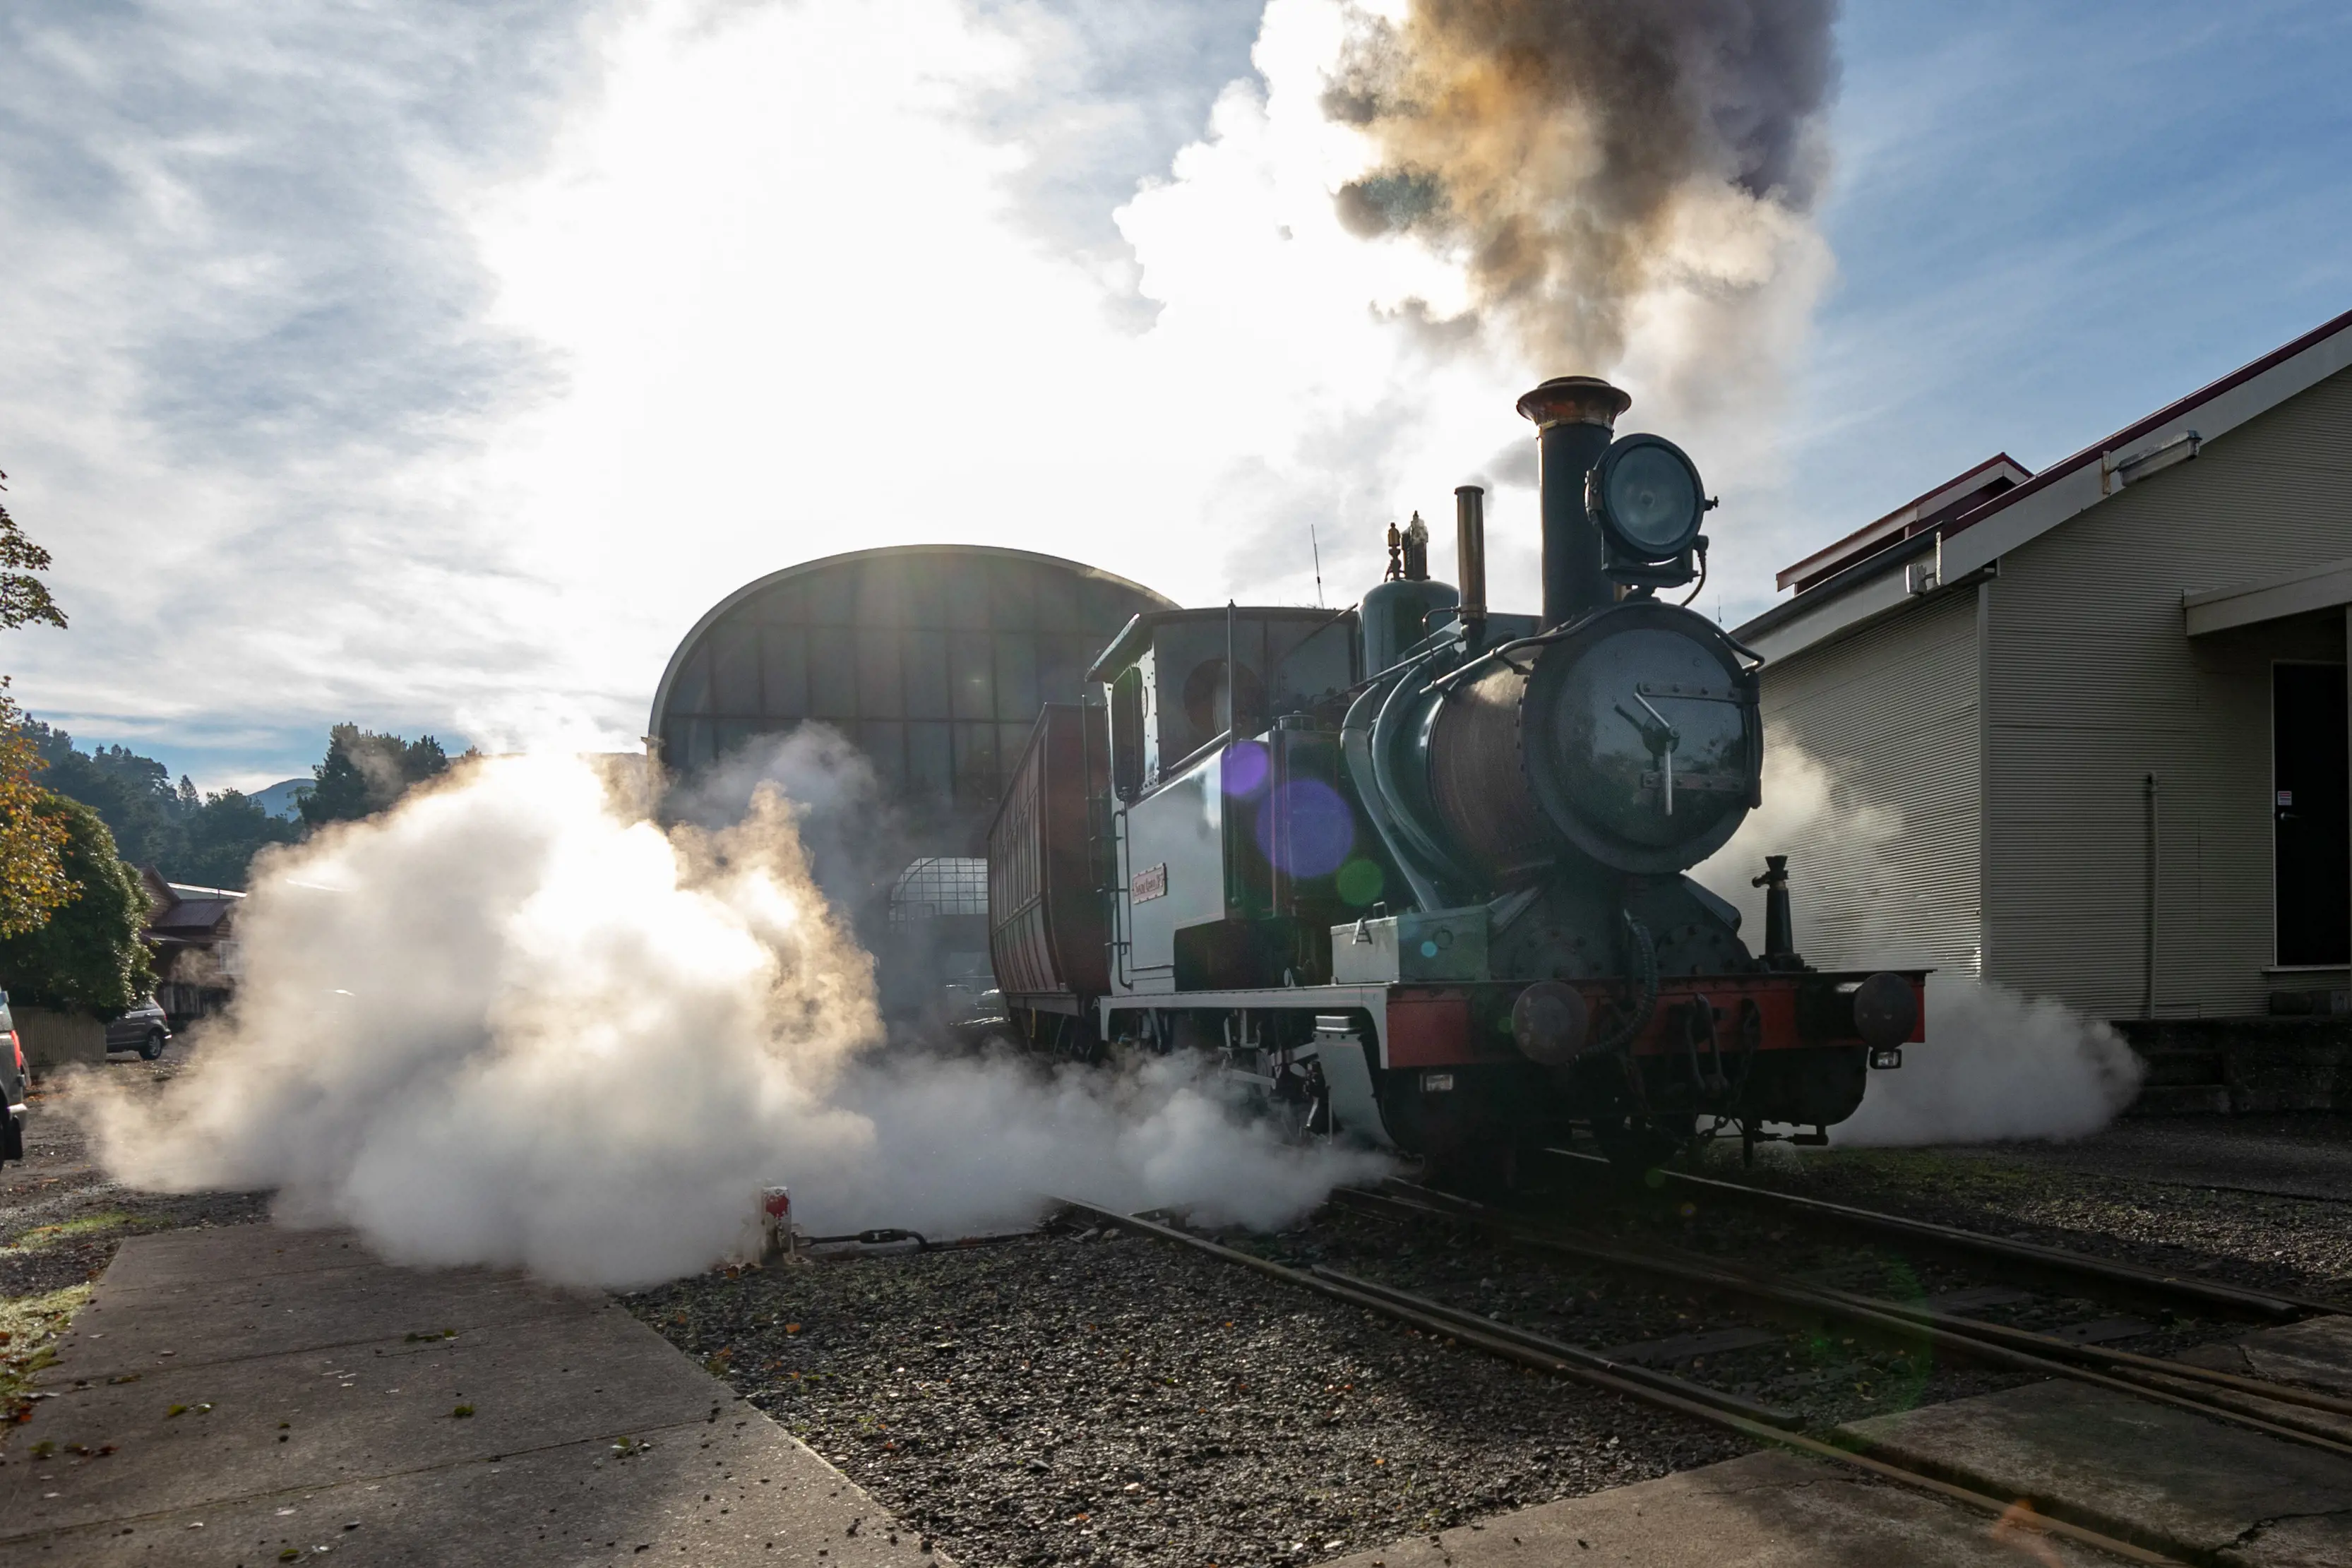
column 2227, row 1493
column 1770, row 1510
column 254, row 1396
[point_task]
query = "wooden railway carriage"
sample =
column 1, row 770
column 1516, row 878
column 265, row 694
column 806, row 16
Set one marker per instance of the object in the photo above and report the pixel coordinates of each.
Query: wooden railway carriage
column 1414, row 871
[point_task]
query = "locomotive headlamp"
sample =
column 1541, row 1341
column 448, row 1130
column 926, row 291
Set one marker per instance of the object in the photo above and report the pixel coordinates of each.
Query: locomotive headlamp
column 1646, row 497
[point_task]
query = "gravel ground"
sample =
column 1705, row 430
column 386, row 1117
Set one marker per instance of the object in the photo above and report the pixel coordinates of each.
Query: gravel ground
column 61, row 1217
column 1087, row 1396
column 1101, row 1397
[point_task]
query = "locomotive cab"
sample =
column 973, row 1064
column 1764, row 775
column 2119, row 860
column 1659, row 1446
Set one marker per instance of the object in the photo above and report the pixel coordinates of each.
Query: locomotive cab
column 1233, row 831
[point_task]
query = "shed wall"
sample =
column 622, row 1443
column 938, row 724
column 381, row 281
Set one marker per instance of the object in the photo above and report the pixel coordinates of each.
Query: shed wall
column 1888, row 873
column 2093, row 683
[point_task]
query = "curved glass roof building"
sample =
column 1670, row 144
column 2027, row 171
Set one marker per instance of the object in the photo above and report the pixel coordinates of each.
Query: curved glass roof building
column 931, row 659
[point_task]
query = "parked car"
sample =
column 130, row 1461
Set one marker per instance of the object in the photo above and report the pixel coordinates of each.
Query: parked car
column 13, row 1082
column 144, row 1029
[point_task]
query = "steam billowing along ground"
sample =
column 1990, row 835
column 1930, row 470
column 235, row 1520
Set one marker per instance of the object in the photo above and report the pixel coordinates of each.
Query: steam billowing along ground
column 515, row 1022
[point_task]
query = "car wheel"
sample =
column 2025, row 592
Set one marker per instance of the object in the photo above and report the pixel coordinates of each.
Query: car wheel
column 152, row 1046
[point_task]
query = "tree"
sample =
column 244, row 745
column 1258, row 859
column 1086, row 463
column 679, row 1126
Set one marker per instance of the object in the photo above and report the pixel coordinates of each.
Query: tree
column 33, row 879
column 365, row 772
column 222, row 835
column 88, row 956
column 32, row 872
column 24, row 598
column 187, row 836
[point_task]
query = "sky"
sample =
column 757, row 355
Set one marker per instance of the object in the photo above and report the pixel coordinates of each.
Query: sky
column 435, row 365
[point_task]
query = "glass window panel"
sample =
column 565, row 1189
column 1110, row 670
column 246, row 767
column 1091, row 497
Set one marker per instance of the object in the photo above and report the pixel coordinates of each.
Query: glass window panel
column 972, row 667
column 691, row 692
column 926, row 673
column 1010, row 738
column 1078, row 651
column 735, row 668
column 730, row 735
column 1108, row 605
column 1057, row 672
column 830, row 595
column 882, row 592
column 1058, row 597
column 1013, row 595
column 1016, row 677
column 879, row 695
column 833, row 675
column 783, row 671
column 930, row 761
column 927, row 598
column 965, row 586
column 786, row 604
column 975, row 763
column 885, row 744
column 699, row 752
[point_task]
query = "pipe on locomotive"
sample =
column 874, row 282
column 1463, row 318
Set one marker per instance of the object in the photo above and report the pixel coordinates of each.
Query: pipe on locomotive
column 1574, row 417
column 1470, row 554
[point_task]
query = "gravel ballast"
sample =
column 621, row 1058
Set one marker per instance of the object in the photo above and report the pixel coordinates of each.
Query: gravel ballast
column 1094, row 1396
column 1099, row 1397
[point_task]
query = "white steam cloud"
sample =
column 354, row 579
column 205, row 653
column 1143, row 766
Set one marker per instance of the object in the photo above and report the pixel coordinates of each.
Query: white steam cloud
column 515, row 1022
column 1996, row 1065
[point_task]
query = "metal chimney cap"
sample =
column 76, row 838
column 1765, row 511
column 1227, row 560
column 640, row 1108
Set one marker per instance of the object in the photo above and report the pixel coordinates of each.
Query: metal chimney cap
column 1575, row 400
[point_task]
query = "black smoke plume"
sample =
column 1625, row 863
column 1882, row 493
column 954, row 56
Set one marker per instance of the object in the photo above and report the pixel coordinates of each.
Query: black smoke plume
column 1548, row 143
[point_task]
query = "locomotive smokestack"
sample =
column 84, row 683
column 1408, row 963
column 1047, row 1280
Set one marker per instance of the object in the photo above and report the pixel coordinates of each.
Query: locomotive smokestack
column 1470, row 550
column 1574, row 417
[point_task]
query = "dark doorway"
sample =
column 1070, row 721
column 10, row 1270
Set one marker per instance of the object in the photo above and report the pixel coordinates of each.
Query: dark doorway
column 2313, row 814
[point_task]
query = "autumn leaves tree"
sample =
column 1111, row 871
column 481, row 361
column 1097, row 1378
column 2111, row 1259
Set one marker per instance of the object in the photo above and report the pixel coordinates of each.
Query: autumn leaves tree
column 33, row 879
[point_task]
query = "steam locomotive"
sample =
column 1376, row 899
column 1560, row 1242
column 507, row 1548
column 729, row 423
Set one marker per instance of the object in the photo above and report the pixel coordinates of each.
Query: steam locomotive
column 1412, row 872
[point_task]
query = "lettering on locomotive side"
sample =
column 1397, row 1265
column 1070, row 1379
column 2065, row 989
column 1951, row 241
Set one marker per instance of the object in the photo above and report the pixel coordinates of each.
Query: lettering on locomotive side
column 1148, row 883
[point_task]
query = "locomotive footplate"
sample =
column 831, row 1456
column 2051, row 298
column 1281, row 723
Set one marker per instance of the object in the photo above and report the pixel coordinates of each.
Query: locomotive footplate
column 1456, row 1065
column 1443, row 1025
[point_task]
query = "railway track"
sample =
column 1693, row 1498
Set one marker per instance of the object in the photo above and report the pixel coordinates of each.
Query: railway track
column 2110, row 1275
column 2280, row 1411
column 2223, row 1395
column 2120, row 1538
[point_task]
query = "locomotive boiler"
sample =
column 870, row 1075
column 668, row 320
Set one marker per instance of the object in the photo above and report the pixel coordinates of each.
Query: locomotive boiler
column 1413, row 872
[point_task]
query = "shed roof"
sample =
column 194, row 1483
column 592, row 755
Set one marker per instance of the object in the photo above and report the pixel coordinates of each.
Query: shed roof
column 194, row 916
column 1839, row 592
column 2327, row 587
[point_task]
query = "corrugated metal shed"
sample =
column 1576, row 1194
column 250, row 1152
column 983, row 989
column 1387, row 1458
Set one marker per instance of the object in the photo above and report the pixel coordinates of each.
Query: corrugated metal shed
column 1892, row 716
column 2051, row 622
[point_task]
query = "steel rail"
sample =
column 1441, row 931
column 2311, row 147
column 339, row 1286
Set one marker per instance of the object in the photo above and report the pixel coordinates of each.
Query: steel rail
column 2120, row 1360
column 1951, row 1334
column 2272, row 1305
column 1681, row 1387
column 2120, row 1538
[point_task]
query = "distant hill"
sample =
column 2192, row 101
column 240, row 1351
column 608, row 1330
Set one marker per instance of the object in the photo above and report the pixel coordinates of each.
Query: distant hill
column 283, row 800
